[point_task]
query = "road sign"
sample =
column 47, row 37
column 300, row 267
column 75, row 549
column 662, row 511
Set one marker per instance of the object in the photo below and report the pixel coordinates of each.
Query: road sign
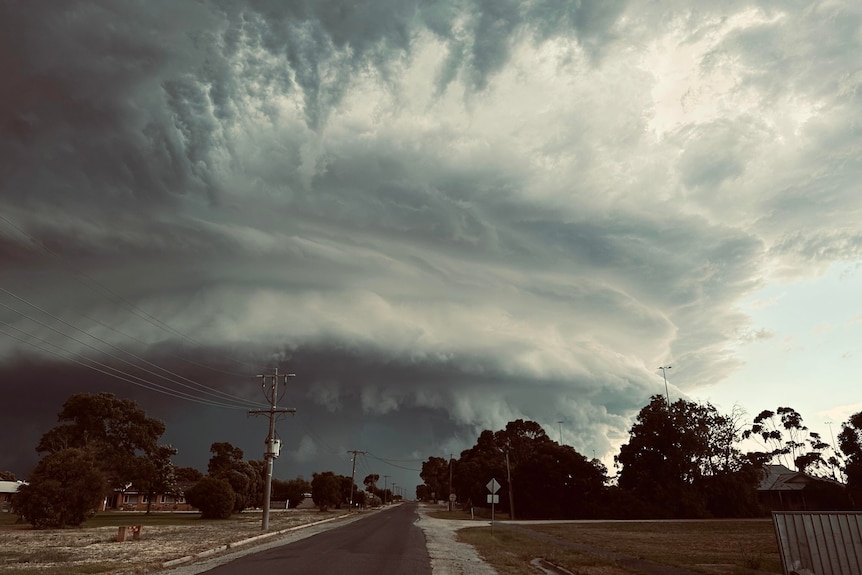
column 493, row 486
column 493, row 498
column 452, row 497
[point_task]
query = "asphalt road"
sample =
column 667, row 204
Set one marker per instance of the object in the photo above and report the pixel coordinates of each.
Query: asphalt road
column 384, row 542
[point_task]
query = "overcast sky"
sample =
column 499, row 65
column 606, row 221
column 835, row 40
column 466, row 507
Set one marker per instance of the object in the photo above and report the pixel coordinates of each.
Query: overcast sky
column 442, row 216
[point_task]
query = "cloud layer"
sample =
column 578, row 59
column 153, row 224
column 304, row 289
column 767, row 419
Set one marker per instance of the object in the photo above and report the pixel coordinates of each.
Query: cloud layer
column 470, row 210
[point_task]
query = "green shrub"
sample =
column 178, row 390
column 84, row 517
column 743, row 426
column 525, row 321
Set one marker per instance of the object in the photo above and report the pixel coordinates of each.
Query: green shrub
column 214, row 497
column 64, row 490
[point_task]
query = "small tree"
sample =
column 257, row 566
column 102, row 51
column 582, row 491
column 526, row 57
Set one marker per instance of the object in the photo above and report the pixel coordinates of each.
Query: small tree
column 64, row 489
column 370, row 482
column 326, row 490
column 7, row 476
column 435, row 475
column 214, row 497
column 291, row 490
column 155, row 473
column 245, row 477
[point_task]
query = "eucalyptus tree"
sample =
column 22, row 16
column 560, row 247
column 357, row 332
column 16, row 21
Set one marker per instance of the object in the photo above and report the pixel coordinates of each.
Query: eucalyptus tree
column 784, row 438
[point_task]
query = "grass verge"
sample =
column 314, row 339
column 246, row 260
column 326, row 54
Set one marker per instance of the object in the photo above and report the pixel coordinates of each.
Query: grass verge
column 510, row 553
column 738, row 547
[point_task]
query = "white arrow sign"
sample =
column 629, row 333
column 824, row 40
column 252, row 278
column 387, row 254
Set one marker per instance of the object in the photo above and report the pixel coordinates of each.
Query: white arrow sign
column 493, row 486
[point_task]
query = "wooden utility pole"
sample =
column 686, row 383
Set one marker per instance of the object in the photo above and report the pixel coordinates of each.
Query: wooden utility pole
column 511, row 490
column 353, row 475
column 273, row 445
column 449, row 495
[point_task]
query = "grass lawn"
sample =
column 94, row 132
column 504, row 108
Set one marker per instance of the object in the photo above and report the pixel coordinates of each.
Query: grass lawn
column 94, row 549
column 727, row 546
column 112, row 518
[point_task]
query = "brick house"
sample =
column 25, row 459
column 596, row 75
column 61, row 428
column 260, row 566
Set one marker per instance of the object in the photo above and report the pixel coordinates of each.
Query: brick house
column 132, row 499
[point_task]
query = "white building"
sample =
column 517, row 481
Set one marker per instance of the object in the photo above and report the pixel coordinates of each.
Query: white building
column 7, row 490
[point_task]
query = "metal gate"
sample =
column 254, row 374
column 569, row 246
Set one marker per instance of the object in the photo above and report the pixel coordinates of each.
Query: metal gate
column 828, row 543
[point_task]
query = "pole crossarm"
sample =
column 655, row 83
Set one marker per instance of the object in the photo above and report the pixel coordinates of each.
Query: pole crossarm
column 268, row 411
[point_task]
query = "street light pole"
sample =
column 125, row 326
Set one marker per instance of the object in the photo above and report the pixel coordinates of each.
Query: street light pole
column 664, row 369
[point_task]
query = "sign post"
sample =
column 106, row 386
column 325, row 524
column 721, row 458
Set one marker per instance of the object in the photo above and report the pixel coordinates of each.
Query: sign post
column 493, row 498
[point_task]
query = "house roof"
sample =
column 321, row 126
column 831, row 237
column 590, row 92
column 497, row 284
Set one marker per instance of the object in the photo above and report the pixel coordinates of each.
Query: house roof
column 181, row 488
column 10, row 486
column 781, row 478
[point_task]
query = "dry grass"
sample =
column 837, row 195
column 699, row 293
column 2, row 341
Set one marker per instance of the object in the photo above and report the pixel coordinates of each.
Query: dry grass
column 741, row 547
column 510, row 553
column 93, row 549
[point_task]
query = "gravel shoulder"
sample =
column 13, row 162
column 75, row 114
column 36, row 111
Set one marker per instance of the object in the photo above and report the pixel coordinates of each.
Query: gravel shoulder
column 448, row 555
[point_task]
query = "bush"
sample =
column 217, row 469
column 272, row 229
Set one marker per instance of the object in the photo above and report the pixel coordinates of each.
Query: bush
column 326, row 490
column 64, row 489
column 214, row 497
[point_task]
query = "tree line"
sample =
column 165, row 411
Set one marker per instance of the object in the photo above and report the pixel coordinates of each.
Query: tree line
column 104, row 445
column 683, row 460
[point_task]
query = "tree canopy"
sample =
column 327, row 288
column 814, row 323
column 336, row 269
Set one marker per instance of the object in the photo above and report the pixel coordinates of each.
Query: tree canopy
column 674, row 452
column 850, row 440
column 122, row 440
column 552, row 480
column 292, row 490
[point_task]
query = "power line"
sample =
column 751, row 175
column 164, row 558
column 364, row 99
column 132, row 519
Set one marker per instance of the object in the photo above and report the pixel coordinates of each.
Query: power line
column 173, row 355
column 405, row 460
column 389, row 462
column 93, row 284
column 130, row 378
column 203, row 388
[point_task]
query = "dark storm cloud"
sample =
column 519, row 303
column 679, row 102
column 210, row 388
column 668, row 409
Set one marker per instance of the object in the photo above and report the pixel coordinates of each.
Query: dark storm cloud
column 82, row 99
column 458, row 213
